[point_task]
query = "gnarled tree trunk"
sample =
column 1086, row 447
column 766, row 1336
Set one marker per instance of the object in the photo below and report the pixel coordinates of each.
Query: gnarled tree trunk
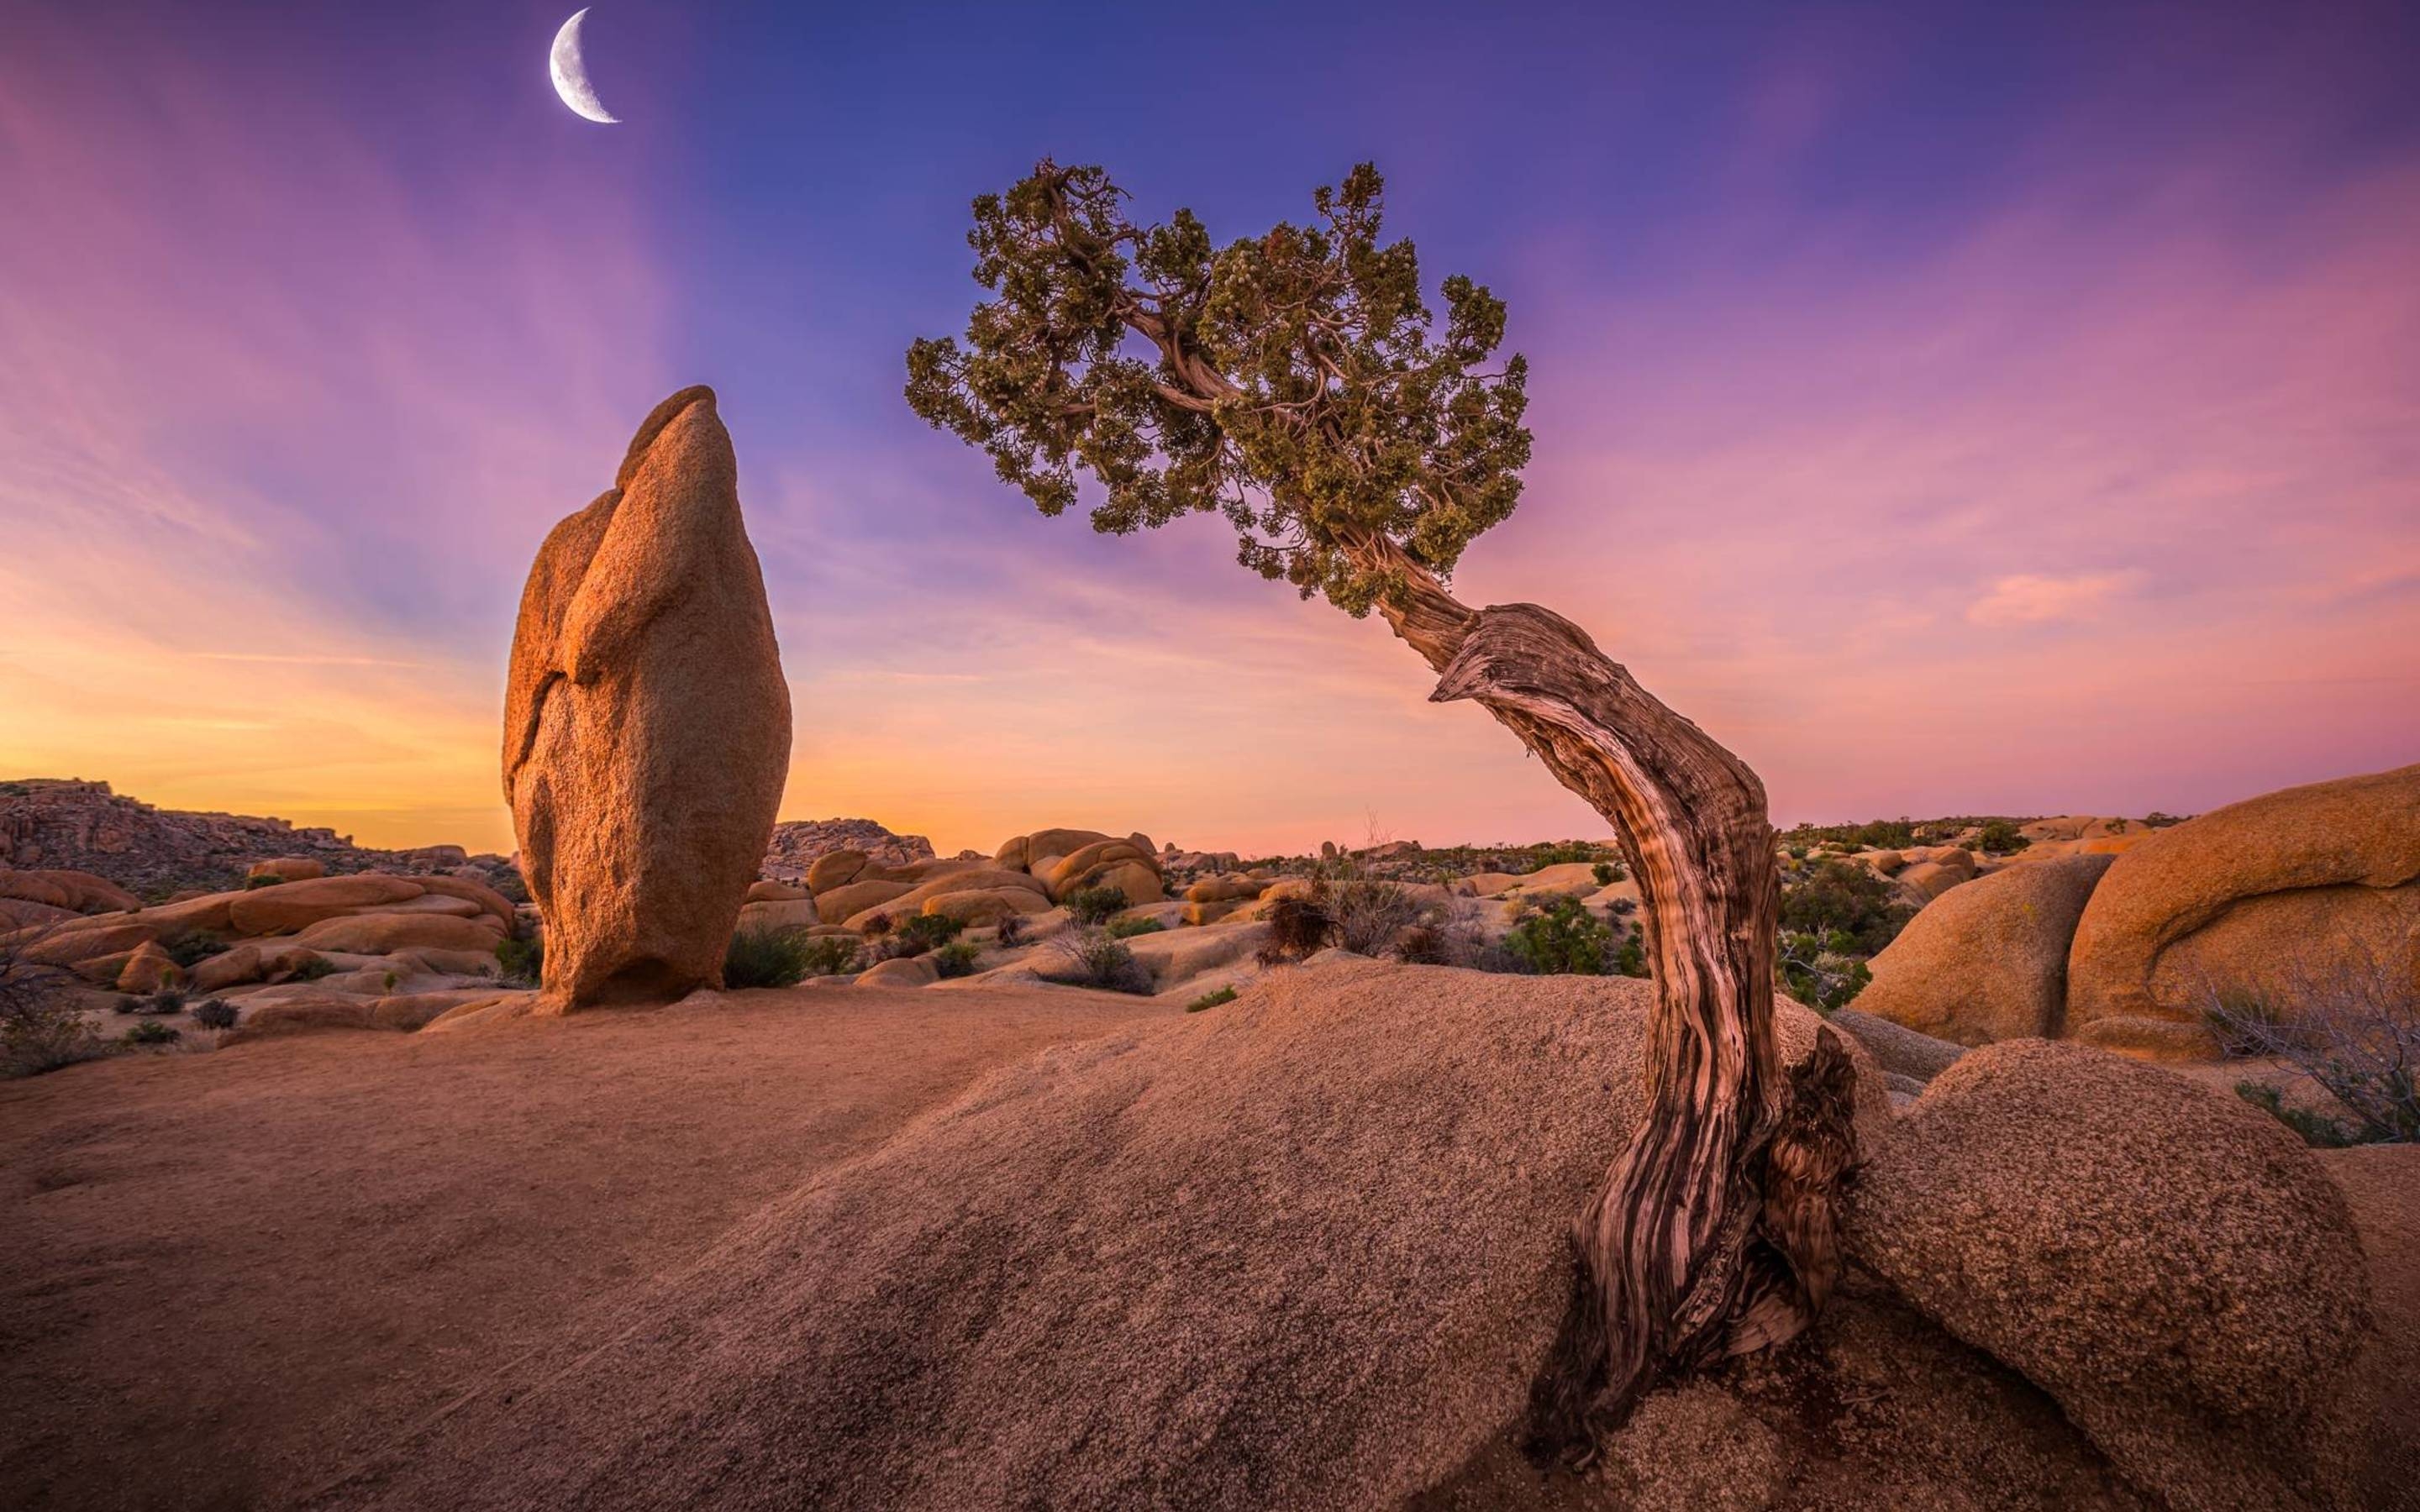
column 1716, row 1230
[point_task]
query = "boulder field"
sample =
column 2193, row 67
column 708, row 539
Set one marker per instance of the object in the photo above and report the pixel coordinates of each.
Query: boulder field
column 2126, row 945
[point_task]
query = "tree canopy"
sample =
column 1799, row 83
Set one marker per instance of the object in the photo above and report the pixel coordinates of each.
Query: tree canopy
column 1295, row 382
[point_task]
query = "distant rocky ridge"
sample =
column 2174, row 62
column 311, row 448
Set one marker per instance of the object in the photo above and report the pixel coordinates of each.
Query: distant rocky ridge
column 800, row 842
column 50, row 823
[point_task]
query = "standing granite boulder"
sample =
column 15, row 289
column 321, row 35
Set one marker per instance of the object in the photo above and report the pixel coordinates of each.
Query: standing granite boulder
column 2316, row 879
column 1987, row 961
column 646, row 722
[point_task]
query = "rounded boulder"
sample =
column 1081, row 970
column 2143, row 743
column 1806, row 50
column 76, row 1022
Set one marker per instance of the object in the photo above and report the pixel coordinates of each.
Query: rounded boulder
column 2172, row 1266
column 1987, row 960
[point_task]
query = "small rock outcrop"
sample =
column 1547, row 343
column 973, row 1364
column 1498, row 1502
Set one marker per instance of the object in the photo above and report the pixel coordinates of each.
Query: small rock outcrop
column 646, row 721
column 2311, row 877
column 798, row 844
column 2173, row 1267
column 1987, row 961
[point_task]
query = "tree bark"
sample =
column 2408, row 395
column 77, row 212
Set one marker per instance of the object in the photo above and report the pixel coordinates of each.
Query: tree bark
column 1717, row 1231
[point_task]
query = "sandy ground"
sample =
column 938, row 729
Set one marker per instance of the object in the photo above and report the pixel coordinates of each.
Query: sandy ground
column 441, row 1203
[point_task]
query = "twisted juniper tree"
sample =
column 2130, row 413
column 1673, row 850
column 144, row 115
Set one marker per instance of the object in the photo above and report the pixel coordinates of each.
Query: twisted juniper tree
column 1297, row 383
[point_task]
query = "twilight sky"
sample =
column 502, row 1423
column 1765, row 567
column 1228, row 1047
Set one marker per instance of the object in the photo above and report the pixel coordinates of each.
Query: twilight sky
column 1954, row 409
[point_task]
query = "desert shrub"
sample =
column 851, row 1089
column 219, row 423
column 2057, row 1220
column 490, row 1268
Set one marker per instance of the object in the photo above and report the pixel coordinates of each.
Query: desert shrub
column 1011, row 930
column 2351, row 1027
column 218, row 1013
column 151, row 1031
column 166, row 1003
column 1999, row 837
column 1608, row 872
column 191, row 948
column 126, row 1003
column 509, row 885
column 925, row 932
column 1631, row 960
column 2156, row 820
column 256, row 884
column 1425, row 944
column 39, row 1026
column 955, row 959
column 1820, row 970
column 1090, row 956
column 766, row 957
column 521, row 962
column 2116, row 826
column 833, row 955
column 1211, row 1000
column 2318, row 1130
column 1562, row 939
column 1126, row 929
column 1843, row 898
column 1297, row 926
column 315, row 969
column 1094, row 905
column 1368, row 916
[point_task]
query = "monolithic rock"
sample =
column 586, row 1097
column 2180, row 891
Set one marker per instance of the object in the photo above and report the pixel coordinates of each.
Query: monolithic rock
column 646, row 722
column 2169, row 1264
column 1987, row 960
column 2310, row 878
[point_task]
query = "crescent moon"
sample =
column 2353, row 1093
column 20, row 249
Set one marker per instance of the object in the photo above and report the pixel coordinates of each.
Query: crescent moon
column 571, row 73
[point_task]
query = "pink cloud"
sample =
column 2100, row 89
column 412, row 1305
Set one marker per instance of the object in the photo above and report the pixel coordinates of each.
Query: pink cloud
column 2029, row 598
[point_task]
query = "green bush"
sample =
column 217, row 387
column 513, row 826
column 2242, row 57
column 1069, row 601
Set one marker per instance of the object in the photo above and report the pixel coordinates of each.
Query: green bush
column 256, row 884
column 315, row 969
column 767, row 958
column 1210, row 1000
column 834, row 955
column 2000, row 838
column 925, row 932
column 955, row 959
column 1608, row 872
column 1563, row 940
column 166, row 1003
column 509, row 885
column 1126, row 929
column 1820, row 970
column 1631, row 960
column 191, row 948
column 1094, row 905
column 1842, row 896
column 39, row 1026
column 1092, row 957
column 521, row 962
column 151, row 1031
column 126, row 1003
column 2318, row 1130
column 218, row 1013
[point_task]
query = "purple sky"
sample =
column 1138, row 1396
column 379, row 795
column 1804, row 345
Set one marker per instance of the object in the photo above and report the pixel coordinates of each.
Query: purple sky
column 1954, row 409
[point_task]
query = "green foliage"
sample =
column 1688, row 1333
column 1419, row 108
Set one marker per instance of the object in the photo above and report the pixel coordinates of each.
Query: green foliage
column 925, row 932
column 2000, row 838
column 1010, row 929
column 1843, row 898
column 1822, row 970
column 1094, row 905
column 40, row 1029
column 2317, row 1129
column 191, row 948
column 1631, row 960
column 315, row 969
column 165, row 1003
column 955, row 959
column 151, row 1031
column 2156, row 820
column 521, row 962
column 509, row 885
column 1126, row 929
column 833, row 955
column 1091, row 957
column 1295, row 382
column 1564, row 939
column 256, row 884
column 767, row 957
column 1210, row 1000
column 218, row 1013
column 1607, row 872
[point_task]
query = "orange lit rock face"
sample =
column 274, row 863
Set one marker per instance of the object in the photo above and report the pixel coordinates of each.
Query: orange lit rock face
column 646, row 722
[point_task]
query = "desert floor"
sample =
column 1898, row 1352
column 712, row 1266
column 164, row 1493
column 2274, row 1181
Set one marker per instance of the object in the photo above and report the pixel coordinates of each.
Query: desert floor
column 228, row 1275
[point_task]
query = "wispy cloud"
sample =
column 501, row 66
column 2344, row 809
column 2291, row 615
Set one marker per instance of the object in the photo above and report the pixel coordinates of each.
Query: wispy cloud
column 2028, row 598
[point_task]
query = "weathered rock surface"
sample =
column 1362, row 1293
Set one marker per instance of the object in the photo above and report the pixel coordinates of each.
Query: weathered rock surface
column 2311, row 876
column 646, row 721
column 798, row 844
column 2169, row 1264
column 1987, row 960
